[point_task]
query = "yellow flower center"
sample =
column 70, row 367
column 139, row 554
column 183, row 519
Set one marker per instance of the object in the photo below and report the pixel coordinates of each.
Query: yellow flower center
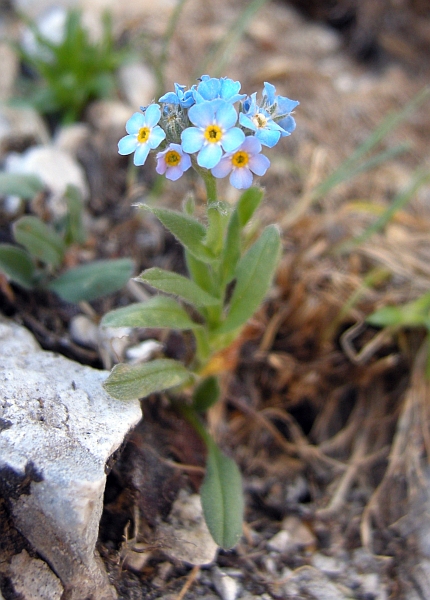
column 213, row 134
column 143, row 135
column 240, row 159
column 259, row 120
column 172, row 158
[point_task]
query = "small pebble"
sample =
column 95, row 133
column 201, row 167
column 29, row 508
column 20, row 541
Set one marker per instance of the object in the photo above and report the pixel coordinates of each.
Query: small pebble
column 227, row 587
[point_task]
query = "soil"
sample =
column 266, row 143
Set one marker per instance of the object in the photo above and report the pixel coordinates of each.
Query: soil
column 326, row 417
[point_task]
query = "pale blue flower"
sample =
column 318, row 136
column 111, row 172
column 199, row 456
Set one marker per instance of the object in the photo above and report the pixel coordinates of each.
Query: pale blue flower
column 242, row 163
column 179, row 96
column 279, row 107
column 143, row 134
column 172, row 162
column 211, row 88
column 214, row 132
column 260, row 121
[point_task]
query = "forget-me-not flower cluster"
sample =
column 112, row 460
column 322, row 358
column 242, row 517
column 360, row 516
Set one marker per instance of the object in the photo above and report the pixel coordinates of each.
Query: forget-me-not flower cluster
column 202, row 126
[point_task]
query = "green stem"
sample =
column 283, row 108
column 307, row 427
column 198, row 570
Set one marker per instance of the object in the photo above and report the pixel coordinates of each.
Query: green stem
column 194, row 420
column 209, row 181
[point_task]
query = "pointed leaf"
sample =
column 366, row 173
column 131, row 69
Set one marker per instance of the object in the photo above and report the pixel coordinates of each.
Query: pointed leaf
column 254, row 276
column 157, row 312
column 186, row 229
column 201, row 273
column 206, row 394
column 412, row 314
column 231, row 251
column 93, row 280
column 218, row 213
column 75, row 230
column 17, row 265
column 222, row 498
column 172, row 283
column 248, row 204
column 40, row 240
column 127, row 382
column 17, row 184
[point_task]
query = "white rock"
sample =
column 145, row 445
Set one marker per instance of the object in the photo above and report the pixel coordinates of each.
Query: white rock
column 59, row 427
column 293, row 536
column 9, row 70
column 186, row 536
column 138, row 84
column 227, row 587
column 108, row 114
column 143, row 352
column 34, row 9
column 328, row 564
column 84, row 331
column 51, row 26
column 71, row 137
column 21, row 125
column 33, row 579
column 56, row 168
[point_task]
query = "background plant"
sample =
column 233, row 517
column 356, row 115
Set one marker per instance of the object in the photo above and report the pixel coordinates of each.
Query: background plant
column 38, row 259
column 70, row 73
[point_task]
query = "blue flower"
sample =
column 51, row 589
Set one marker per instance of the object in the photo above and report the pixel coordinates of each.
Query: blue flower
column 214, row 132
column 179, row 96
column 211, row 88
column 242, row 163
column 143, row 134
column 172, row 162
column 260, row 121
column 279, row 107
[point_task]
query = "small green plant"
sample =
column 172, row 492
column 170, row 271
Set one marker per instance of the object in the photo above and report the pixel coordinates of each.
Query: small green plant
column 229, row 274
column 411, row 315
column 72, row 72
column 35, row 263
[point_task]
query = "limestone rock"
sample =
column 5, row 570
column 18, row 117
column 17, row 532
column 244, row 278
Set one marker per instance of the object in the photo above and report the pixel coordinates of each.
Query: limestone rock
column 33, row 579
column 138, row 84
column 56, row 168
column 58, row 427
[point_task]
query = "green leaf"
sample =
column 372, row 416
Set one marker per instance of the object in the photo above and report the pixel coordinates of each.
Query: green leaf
column 231, row 251
column 190, row 232
column 412, row 314
column 24, row 186
column 157, row 312
column 75, row 230
column 17, row 265
column 172, row 283
column 222, row 498
column 218, row 213
column 254, row 275
column 41, row 241
column 201, row 273
column 127, row 382
column 248, row 203
column 93, row 280
column 206, row 394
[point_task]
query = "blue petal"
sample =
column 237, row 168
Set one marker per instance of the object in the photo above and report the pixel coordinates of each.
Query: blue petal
column 169, row 98
column 209, row 88
column 232, row 139
column 135, row 122
column 192, row 139
column 202, row 114
column 141, row 154
column 127, row 144
column 288, row 125
column 226, row 115
column 185, row 162
column 247, row 122
column 223, row 168
column 268, row 137
column 173, row 173
column 269, row 91
column 156, row 137
column 209, row 156
column 259, row 164
column 285, row 105
column 241, row 178
column 230, row 90
column 251, row 145
column 152, row 115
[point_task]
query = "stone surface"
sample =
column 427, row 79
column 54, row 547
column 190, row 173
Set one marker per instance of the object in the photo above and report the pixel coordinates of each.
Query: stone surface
column 58, row 427
column 56, row 168
column 33, row 579
column 138, row 84
column 186, row 536
column 227, row 587
column 20, row 126
column 294, row 535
